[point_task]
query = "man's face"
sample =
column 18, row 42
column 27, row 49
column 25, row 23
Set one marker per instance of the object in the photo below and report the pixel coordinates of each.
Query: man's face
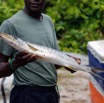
column 34, row 5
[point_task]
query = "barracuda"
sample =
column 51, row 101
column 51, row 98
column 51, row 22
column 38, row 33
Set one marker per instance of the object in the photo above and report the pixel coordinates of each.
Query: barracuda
column 49, row 54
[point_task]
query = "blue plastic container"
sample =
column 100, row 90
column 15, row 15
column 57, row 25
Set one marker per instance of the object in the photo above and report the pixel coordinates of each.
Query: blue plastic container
column 95, row 62
column 96, row 59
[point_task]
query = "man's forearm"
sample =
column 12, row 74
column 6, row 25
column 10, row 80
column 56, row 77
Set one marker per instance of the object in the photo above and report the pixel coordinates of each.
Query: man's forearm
column 5, row 69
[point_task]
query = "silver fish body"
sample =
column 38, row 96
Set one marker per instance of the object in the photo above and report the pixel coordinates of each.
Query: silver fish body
column 47, row 54
column 58, row 57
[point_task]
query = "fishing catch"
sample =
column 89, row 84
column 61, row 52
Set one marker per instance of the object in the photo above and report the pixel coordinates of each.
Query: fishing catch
column 49, row 55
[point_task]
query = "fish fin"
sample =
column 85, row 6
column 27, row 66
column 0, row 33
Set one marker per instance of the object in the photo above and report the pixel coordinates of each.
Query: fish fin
column 78, row 60
column 70, row 69
column 33, row 48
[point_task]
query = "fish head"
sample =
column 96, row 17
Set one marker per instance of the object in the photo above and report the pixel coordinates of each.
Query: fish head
column 11, row 39
column 15, row 42
column 7, row 37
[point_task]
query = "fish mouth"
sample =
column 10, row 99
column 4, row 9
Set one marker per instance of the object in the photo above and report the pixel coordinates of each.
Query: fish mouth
column 9, row 37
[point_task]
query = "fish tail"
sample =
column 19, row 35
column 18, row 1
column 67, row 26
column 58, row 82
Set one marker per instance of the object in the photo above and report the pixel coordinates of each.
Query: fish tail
column 97, row 75
column 95, row 71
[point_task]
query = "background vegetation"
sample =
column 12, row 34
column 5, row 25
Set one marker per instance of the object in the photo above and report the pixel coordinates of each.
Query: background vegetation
column 76, row 21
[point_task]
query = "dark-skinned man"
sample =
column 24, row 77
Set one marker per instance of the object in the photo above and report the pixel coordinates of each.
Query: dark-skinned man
column 34, row 81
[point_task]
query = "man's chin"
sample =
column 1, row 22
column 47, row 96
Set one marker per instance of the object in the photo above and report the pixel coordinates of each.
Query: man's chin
column 35, row 10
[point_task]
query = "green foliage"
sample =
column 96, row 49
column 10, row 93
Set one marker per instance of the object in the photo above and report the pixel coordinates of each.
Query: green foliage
column 9, row 7
column 76, row 21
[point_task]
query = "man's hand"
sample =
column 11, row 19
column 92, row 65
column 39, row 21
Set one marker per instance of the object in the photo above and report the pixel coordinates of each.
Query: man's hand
column 22, row 58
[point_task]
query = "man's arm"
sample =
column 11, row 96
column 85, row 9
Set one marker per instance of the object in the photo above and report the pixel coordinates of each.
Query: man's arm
column 21, row 59
column 5, row 69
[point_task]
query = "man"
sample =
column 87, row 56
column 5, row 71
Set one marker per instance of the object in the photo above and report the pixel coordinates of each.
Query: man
column 35, row 81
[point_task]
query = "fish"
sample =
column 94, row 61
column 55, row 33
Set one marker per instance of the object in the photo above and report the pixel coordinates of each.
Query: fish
column 50, row 55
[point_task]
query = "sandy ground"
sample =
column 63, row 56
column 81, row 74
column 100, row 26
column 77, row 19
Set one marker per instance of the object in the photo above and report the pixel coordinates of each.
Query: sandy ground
column 73, row 88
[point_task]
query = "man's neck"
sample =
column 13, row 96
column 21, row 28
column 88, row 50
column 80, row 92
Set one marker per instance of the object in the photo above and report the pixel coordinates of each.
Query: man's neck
column 36, row 15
